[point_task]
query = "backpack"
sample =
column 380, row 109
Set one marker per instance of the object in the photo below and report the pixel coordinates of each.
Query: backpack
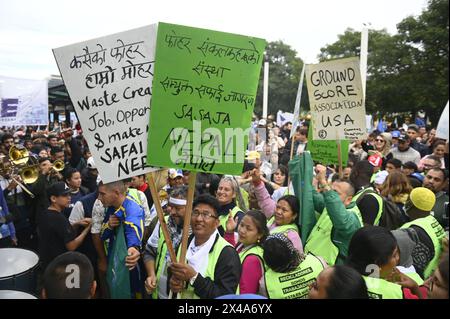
column 391, row 216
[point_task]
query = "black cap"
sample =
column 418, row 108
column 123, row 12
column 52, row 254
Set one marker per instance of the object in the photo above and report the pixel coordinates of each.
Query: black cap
column 58, row 189
column 403, row 137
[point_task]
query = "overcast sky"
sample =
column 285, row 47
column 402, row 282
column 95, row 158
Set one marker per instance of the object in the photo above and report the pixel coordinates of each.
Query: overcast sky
column 29, row 29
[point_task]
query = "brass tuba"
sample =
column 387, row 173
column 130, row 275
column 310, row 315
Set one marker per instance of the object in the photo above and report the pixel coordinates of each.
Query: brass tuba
column 19, row 155
column 29, row 174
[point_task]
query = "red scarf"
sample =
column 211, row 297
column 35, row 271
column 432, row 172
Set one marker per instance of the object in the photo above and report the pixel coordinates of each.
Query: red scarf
column 143, row 188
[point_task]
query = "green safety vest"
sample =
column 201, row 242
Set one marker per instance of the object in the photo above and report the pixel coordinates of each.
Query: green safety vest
column 134, row 195
column 320, row 241
column 213, row 256
column 415, row 276
column 294, row 284
column 379, row 200
column 224, row 218
column 435, row 231
column 255, row 250
column 281, row 229
column 160, row 256
column 378, row 288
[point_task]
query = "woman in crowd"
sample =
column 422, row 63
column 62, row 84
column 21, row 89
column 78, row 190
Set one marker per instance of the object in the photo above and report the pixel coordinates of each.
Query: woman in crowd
column 252, row 232
column 382, row 147
column 397, row 188
column 285, row 267
column 438, row 151
column 338, row 282
column 438, row 283
column 374, row 253
column 73, row 181
column 280, row 177
column 283, row 215
column 228, row 193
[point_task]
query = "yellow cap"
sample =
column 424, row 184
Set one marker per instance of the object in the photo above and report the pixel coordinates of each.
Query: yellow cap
column 422, row 198
column 252, row 155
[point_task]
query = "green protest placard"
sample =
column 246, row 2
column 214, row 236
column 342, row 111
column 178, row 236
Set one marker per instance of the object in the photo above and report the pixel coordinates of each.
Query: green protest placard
column 204, row 90
column 326, row 152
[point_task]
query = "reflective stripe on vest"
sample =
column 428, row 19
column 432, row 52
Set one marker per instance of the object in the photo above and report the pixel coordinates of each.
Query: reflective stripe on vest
column 255, row 250
column 281, row 229
column 224, row 218
column 378, row 288
column 320, row 243
column 377, row 197
column 294, row 284
column 213, row 256
column 161, row 254
column 435, row 231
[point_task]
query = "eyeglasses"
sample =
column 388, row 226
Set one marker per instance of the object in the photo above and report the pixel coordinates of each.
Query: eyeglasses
column 379, row 140
column 205, row 214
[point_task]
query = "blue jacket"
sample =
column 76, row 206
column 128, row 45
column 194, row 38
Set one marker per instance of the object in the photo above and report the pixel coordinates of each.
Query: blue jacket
column 132, row 215
column 8, row 229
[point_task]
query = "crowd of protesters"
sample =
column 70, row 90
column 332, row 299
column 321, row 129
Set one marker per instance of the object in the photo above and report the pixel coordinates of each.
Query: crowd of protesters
column 380, row 223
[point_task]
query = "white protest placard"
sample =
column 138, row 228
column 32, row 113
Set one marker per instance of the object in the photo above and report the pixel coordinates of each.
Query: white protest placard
column 442, row 128
column 109, row 80
column 23, row 102
column 336, row 100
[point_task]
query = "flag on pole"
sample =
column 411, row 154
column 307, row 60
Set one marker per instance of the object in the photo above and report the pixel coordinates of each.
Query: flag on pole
column 301, row 172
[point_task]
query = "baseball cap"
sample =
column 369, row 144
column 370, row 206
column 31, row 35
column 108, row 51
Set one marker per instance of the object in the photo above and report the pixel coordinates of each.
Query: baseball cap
column 403, row 137
column 405, row 245
column 91, row 163
column 58, row 189
column 375, row 160
column 174, row 173
column 252, row 155
column 262, row 122
column 422, row 198
column 395, row 134
column 380, row 177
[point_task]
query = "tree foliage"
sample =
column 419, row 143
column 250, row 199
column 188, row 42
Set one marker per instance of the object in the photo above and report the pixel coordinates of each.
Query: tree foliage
column 407, row 71
column 284, row 75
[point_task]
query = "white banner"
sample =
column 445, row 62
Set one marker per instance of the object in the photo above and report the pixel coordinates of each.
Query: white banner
column 109, row 81
column 284, row 117
column 442, row 128
column 23, row 102
column 336, row 100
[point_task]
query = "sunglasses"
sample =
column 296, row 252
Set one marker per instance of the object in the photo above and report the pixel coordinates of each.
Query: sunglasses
column 379, row 140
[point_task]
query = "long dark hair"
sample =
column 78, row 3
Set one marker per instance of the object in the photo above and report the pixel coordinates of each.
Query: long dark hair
column 285, row 171
column 260, row 221
column 370, row 245
column 346, row 283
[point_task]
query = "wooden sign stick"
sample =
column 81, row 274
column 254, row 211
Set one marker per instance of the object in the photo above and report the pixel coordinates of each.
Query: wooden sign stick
column 339, row 158
column 162, row 221
column 187, row 216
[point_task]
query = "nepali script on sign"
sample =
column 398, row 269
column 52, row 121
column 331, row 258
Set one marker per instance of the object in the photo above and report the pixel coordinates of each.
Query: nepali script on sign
column 336, row 100
column 109, row 81
column 203, row 96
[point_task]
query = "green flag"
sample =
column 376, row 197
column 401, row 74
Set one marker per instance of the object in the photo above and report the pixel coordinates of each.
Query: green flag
column 118, row 275
column 301, row 172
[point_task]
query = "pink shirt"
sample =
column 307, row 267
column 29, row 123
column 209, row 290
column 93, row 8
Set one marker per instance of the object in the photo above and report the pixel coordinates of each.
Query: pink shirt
column 252, row 270
column 268, row 205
